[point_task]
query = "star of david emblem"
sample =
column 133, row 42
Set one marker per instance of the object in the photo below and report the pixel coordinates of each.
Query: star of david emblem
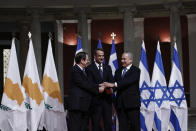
column 162, row 93
column 177, row 93
column 149, row 96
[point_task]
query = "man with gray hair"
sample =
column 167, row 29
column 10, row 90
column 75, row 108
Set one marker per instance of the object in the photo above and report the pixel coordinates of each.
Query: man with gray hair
column 128, row 95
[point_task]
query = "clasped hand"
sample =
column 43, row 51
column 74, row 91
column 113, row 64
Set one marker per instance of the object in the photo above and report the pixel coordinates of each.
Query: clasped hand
column 107, row 87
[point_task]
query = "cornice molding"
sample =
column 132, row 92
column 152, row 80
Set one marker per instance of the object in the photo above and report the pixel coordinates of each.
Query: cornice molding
column 104, row 12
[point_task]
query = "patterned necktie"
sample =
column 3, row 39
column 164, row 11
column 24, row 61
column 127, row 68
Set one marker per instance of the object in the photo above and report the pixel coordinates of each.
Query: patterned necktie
column 100, row 71
column 124, row 72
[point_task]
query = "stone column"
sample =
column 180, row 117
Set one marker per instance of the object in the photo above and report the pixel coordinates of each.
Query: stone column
column 130, row 43
column 192, row 54
column 24, row 45
column 36, row 37
column 128, row 29
column 83, row 30
column 139, row 36
column 59, row 54
column 175, row 31
column 89, row 37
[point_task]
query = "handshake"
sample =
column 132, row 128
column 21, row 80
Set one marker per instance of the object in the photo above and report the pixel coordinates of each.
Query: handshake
column 107, row 87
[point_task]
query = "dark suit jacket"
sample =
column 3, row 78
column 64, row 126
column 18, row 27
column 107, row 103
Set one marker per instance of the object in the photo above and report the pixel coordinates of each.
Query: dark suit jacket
column 128, row 94
column 80, row 90
column 94, row 75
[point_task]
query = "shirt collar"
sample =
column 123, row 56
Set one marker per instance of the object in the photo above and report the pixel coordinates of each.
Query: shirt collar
column 98, row 64
column 129, row 66
column 80, row 67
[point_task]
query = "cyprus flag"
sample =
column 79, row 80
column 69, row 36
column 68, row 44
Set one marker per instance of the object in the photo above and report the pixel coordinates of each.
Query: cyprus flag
column 34, row 95
column 12, row 109
column 54, row 115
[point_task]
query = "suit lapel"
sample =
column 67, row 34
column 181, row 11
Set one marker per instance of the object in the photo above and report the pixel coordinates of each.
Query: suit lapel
column 128, row 71
column 80, row 71
column 95, row 67
column 119, row 73
column 96, row 70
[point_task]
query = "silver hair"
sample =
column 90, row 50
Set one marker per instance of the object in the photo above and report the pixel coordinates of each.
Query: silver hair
column 129, row 54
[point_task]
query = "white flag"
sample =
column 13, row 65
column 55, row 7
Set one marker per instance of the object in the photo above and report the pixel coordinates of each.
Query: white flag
column 147, row 94
column 178, row 117
column 34, row 95
column 13, row 111
column 54, row 116
column 158, row 83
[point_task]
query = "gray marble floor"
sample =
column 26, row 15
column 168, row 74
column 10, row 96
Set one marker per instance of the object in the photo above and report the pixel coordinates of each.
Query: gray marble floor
column 192, row 123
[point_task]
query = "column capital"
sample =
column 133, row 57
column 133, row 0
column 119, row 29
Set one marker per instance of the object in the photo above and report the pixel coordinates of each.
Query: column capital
column 128, row 10
column 79, row 10
column 174, row 6
column 35, row 12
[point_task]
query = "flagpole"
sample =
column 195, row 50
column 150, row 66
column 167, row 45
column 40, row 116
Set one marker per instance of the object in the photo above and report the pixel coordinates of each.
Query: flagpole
column 113, row 62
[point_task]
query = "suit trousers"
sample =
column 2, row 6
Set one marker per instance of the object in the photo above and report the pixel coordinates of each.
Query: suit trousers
column 129, row 119
column 104, row 110
column 78, row 121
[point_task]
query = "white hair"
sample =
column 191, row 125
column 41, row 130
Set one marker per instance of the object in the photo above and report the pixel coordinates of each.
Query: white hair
column 129, row 54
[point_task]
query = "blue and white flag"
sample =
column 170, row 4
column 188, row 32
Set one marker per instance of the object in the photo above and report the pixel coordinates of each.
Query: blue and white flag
column 99, row 45
column 178, row 117
column 79, row 47
column 113, row 62
column 158, row 83
column 146, row 93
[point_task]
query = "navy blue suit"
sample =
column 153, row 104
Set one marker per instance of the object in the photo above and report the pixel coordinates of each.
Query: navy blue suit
column 128, row 98
column 101, row 106
column 80, row 93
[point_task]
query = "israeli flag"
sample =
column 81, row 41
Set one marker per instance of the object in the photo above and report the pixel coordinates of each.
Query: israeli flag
column 79, row 47
column 162, row 105
column 113, row 62
column 146, row 93
column 178, row 117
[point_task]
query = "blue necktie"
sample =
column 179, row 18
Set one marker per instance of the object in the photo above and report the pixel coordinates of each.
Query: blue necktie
column 124, row 72
column 100, row 71
column 83, row 70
